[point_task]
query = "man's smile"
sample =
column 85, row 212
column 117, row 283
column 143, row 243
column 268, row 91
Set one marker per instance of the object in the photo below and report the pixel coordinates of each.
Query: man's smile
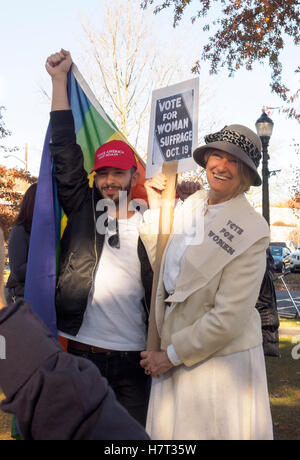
column 111, row 190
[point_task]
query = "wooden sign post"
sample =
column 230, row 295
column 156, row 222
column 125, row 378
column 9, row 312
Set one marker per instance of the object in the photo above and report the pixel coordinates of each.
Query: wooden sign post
column 172, row 137
column 165, row 223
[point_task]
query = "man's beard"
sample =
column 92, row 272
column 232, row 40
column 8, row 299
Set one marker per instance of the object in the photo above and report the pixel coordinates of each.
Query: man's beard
column 123, row 190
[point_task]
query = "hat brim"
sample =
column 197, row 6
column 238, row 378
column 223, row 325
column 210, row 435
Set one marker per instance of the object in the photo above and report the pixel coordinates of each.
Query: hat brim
column 109, row 164
column 232, row 149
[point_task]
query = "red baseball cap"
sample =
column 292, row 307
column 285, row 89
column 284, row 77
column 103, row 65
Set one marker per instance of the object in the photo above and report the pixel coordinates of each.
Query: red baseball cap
column 114, row 154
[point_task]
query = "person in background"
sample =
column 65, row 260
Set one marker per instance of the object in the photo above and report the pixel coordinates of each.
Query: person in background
column 55, row 396
column 267, row 308
column 209, row 376
column 18, row 246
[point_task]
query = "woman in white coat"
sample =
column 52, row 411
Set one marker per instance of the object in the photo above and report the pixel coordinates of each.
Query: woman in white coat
column 209, row 377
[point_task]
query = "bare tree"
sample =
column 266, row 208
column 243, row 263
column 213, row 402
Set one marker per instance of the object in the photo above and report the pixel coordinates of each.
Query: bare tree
column 125, row 62
column 125, row 57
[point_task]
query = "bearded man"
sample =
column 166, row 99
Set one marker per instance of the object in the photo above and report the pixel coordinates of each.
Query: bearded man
column 105, row 278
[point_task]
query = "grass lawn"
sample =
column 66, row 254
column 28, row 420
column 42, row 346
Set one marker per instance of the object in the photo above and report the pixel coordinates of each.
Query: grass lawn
column 5, row 423
column 284, row 385
column 284, row 388
column 285, row 322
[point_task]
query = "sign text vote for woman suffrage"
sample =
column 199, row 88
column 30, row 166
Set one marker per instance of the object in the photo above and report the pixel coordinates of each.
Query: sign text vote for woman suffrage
column 173, row 126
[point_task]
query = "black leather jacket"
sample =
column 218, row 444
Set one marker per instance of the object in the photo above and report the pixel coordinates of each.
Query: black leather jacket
column 267, row 308
column 81, row 244
column 18, row 247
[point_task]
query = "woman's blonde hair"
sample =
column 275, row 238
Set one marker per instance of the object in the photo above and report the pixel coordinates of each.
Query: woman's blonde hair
column 247, row 176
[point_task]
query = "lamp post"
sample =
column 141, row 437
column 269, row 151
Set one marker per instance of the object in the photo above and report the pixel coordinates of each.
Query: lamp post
column 264, row 127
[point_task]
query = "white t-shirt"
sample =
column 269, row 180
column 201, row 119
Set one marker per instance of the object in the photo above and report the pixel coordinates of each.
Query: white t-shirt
column 115, row 316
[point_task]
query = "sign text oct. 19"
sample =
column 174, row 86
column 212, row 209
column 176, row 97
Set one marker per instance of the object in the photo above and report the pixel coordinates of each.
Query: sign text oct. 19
column 173, row 128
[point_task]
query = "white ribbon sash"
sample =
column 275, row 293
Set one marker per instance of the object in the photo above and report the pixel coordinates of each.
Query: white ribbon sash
column 237, row 227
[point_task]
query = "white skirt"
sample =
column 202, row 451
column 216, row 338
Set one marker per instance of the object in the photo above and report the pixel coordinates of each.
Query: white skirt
column 222, row 398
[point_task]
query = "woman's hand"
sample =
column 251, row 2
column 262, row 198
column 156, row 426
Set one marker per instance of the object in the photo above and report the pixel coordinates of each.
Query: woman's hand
column 2, row 296
column 154, row 188
column 186, row 188
column 155, row 362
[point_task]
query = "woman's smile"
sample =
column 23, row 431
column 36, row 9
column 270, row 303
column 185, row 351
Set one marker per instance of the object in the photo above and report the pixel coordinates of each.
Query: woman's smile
column 223, row 176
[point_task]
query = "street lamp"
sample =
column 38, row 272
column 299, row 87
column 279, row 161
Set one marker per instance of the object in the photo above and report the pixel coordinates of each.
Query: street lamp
column 264, row 128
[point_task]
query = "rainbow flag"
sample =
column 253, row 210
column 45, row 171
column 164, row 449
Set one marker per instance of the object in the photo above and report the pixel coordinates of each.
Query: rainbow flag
column 93, row 128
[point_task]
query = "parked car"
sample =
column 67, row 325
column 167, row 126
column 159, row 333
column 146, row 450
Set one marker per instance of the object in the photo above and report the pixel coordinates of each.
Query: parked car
column 281, row 256
column 279, row 243
column 295, row 260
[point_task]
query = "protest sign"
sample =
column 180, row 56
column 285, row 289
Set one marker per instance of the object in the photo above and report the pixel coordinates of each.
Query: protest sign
column 173, row 127
column 172, row 139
